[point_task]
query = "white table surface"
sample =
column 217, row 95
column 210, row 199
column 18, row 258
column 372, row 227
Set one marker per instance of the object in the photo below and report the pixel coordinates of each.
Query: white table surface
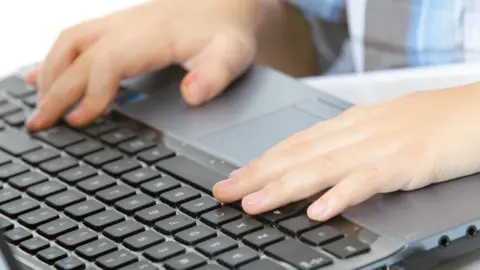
column 29, row 27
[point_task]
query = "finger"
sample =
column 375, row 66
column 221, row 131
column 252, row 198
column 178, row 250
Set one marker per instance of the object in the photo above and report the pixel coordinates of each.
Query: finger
column 117, row 57
column 31, row 77
column 273, row 165
column 386, row 175
column 65, row 91
column 316, row 175
column 70, row 43
column 216, row 67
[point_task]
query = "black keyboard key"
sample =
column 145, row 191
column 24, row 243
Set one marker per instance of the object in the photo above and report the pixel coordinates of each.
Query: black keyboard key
column 100, row 158
column 36, row 218
column 186, row 261
column 74, row 175
column 45, row 189
column 140, row 265
column 174, row 224
column 238, row 257
column 239, row 228
column 143, row 240
column 195, row 235
column 216, row 246
column 154, row 213
column 15, row 208
column 64, row 199
column 117, row 259
column 77, row 238
column 8, row 109
column 346, row 248
column 17, row 235
column 17, row 143
column 5, row 224
column 84, row 148
column 298, row 225
column 137, row 145
column 180, row 195
column 59, row 136
column 191, row 172
column 135, row 203
column 212, row 267
column 121, row 166
column 155, row 154
column 58, row 165
column 16, row 87
column 51, row 255
column 30, row 101
column 8, row 195
column 140, row 176
column 263, row 238
column 321, row 236
column 55, row 228
column 4, row 158
column 220, row 216
column 70, row 263
column 34, row 245
column 84, row 209
column 263, row 264
column 118, row 136
column 96, row 183
column 278, row 215
column 12, row 169
column 298, row 254
column 104, row 219
column 114, row 194
column 123, row 230
column 164, row 251
column 199, row 206
column 96, row 249
column 27, row 180
column 99, row 127
column 16, row 119
column 160, row 185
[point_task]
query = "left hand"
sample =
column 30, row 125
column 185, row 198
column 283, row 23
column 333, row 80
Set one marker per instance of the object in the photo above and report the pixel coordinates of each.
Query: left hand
column 402, row 144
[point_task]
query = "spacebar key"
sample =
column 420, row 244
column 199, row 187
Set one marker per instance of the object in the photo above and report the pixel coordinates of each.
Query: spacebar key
column 190, row 172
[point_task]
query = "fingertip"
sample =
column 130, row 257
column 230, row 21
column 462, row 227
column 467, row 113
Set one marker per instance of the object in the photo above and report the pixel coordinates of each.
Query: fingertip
column 31, row 77
column 194, row 90
column 80, row 116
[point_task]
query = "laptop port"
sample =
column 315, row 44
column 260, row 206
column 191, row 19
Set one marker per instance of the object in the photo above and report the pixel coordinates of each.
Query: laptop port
column 444, row 241
column 472, row 231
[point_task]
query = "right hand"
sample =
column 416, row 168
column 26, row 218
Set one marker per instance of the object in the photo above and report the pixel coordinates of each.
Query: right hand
column 213, row 39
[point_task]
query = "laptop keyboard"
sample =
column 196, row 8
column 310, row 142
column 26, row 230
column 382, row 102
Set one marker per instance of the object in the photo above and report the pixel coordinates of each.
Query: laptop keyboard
column 105, row 197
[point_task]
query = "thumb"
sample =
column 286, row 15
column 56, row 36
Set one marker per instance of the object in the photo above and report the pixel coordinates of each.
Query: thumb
column 211, row 71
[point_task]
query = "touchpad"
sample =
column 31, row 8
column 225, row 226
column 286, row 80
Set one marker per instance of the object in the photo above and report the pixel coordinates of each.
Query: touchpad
column 246, row 141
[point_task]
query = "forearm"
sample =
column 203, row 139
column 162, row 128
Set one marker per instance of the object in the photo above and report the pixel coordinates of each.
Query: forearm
column 284, row 41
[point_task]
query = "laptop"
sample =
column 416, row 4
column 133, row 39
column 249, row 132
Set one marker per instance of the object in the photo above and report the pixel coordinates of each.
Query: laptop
column 133, row 189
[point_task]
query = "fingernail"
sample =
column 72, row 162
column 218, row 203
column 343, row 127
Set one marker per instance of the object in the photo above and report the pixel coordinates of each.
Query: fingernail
column 197, row 91
column 225, row 185
column 255, row 198
column 34, row 120
column 319, row 209
column 236, row 172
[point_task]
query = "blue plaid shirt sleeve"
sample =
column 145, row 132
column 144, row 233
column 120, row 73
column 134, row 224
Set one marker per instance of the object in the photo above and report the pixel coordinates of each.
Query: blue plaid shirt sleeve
column 328, row 10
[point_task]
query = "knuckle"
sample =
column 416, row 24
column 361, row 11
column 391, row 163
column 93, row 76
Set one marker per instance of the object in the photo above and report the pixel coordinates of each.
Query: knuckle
column 371, row 175
column 326, row 161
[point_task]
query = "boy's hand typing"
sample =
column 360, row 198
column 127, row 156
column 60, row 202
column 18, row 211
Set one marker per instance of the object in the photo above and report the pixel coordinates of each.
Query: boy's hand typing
column 213, row 39
column 401, row 144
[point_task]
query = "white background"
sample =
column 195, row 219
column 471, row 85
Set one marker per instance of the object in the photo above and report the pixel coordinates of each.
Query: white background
column 29, row 27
